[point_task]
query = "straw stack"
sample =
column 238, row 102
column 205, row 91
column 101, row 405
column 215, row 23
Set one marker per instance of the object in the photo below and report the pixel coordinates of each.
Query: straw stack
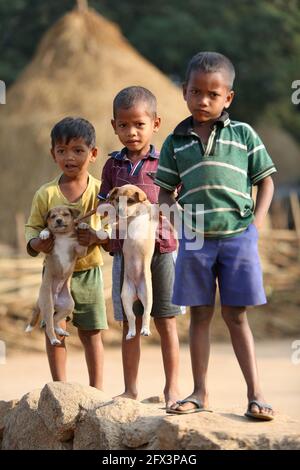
column 80, row 64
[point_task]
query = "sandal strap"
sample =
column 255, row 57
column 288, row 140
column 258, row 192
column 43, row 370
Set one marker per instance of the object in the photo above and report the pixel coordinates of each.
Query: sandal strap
column 260, row 405
column 190, row 400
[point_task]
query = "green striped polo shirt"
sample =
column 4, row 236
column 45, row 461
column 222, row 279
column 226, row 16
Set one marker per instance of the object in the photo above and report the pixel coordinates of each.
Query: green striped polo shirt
column 219, row 175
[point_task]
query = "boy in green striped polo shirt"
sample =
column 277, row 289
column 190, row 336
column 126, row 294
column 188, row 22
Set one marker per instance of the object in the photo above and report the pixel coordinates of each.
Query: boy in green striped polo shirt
column 217, row 161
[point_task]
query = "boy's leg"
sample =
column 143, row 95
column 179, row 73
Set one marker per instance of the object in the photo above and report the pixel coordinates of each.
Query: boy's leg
column 89, row 317
column 164, row 313
column 243, row 345
column 57, row 357
column 167, row 329
column 131, row 352
column 93, row 349
column 201, row 317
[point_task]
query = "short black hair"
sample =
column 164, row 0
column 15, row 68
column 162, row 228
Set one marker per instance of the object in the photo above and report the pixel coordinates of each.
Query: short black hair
column 132, row 95
column 73, row 128
column 210, row 62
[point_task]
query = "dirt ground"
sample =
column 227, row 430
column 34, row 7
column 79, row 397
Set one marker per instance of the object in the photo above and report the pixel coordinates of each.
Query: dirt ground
column 280, row 378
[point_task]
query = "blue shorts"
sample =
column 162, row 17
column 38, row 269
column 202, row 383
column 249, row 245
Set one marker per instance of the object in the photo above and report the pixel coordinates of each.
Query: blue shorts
column 233, row 261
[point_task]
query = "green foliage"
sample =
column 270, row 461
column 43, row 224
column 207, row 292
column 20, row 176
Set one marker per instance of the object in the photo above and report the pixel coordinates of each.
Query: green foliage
column 262, row 38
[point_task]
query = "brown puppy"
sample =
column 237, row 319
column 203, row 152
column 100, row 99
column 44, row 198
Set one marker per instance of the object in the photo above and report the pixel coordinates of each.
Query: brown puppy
column 137, row 223
column 54, row 295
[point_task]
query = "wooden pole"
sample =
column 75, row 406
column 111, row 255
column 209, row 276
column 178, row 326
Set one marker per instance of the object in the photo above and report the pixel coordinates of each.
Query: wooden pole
column 82, row 5
column 294, row 200
column 296, row 215
column 20, row 222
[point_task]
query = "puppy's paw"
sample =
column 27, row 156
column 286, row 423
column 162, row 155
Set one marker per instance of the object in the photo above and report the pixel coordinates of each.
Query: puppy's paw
column 55, row 342
column 102, row 234
column 45, row 234
column 145, row 331
column 130, row 335
column 61, row 331
column 28, row 329
column 83, row 226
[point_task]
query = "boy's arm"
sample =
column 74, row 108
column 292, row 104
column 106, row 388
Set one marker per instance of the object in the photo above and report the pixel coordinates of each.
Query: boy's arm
column 35, row 225
column 107, row 182
column 37, row 245
column 167, row 177
column 95, row 237
column 90, row 237
column 265, row 191
column 168, row 206
column 100, row 237
column 260, row 169
column 167, row 198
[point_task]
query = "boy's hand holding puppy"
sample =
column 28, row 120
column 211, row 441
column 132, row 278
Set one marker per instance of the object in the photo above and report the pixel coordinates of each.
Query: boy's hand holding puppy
column 85, row 234
column 42, row 245
column 91, row 236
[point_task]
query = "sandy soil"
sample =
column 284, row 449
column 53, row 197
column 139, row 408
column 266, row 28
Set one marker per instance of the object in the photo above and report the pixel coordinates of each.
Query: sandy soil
column 279, row 376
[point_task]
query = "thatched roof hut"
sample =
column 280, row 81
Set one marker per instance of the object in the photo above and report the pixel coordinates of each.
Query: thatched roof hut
column 80, row 64
column 285, row 152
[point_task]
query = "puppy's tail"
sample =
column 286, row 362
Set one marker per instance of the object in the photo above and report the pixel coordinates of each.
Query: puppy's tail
column 34, row 319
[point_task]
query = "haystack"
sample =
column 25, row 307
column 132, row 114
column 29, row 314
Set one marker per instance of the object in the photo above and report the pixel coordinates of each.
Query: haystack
column 285, row 152
column 80, row 64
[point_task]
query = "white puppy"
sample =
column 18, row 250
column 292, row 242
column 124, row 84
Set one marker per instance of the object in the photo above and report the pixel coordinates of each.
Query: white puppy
column 139, row 218
column 54, row 295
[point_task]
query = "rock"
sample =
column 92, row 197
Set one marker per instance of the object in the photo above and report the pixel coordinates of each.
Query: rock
column 142, row 431
column 227, row 431
column 65, row 416
column 5, row 408
column 24, row 429
column 62, row 404
column 3, row 310
column 154, row 399
column 113, row 426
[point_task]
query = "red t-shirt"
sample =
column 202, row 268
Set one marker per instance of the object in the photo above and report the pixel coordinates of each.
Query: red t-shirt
column 119, row 170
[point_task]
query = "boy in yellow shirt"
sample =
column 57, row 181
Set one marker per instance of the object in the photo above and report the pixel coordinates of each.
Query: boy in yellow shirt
column 73, row 148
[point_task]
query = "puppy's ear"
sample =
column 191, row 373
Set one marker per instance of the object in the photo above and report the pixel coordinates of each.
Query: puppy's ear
column 74, row 212
column 46, row 216
column 140, row 197
column 113, row 193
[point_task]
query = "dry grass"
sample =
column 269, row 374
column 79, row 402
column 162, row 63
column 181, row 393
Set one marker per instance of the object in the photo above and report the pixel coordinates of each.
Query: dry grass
column 79, row 66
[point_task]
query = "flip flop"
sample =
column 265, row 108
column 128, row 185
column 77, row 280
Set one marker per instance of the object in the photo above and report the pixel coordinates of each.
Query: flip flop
column 197, row 403
column 259, row 416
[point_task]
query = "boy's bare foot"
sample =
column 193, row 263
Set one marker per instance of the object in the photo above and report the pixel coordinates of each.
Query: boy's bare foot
column 189, row 405
column 171, row 398
column 131, row 395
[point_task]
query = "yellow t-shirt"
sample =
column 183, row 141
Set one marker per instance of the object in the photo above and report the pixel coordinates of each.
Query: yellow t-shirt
column 48, row 196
